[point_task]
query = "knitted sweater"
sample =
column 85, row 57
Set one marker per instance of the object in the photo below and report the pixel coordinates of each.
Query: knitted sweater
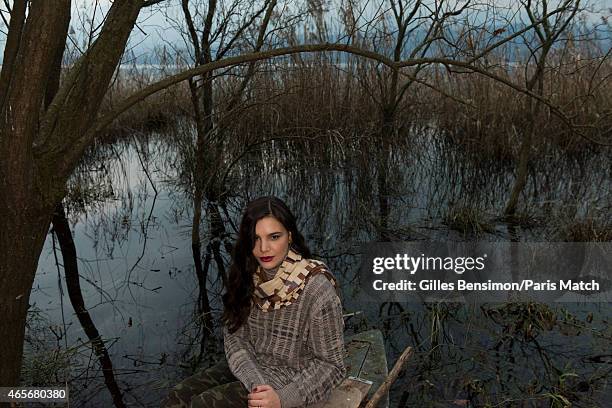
column 297, row 349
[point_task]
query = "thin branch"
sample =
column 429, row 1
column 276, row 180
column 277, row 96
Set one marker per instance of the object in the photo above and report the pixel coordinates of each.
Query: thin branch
column 6, row 23
column 191, row 29
column 149, row 3
column 238, row 33
column 11, row 47
column 258, row 46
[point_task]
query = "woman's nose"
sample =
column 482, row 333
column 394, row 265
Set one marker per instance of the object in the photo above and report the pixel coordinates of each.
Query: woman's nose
column 264, row 245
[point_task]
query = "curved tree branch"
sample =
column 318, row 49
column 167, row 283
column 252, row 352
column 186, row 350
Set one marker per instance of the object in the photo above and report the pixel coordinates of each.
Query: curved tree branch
column 105, row 120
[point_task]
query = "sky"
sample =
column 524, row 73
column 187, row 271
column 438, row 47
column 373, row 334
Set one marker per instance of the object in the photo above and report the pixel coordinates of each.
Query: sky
column 159, row 25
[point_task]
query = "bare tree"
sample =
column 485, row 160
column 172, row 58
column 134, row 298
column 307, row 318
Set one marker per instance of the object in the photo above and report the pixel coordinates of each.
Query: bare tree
column 217, row 26
column 539, row 43
column 450, row 33
column 40, row 148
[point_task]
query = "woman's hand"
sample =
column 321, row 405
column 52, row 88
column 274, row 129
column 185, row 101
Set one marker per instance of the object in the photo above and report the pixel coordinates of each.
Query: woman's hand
column 264, row 396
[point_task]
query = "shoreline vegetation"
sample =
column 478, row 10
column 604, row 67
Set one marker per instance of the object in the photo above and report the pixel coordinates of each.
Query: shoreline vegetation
column 327, row 105
column 334, row 93
column 314, row 108
column 470, row 121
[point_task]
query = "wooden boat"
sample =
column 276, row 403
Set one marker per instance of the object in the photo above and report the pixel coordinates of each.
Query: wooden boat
column 366, row 365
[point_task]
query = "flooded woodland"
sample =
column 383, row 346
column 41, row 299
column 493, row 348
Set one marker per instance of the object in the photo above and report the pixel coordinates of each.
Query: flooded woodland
column 130, row 211
column 461, row 122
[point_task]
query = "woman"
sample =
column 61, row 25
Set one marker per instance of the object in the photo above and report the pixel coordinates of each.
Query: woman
column 283, row 327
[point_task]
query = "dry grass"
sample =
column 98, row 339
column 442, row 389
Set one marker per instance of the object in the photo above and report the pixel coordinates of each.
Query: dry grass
column 157, row 112
column 494, row 126
column 467, row 220
column 320, row 96
column 585, row 230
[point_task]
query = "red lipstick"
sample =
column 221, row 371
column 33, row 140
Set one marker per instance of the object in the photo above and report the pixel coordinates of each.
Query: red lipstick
column 266, row 258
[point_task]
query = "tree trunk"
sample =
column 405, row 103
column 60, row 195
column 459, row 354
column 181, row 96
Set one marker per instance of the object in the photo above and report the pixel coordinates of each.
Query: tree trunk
column 202, row 106
column 382, row 174
column 22, row 235
column 40, row 148
column 521, row 174
column 525, row 152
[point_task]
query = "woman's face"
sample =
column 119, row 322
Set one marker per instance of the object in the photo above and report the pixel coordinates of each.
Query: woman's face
column 271, row 242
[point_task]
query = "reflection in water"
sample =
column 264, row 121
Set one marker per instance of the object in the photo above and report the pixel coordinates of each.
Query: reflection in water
column 343, row 195
column 61, row 228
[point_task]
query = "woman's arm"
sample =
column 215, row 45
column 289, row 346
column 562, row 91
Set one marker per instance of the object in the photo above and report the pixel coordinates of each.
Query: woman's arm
column 240, row 356
column 326, row 340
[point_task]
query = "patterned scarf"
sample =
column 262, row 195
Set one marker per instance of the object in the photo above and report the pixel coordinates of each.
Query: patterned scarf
column 288, row 283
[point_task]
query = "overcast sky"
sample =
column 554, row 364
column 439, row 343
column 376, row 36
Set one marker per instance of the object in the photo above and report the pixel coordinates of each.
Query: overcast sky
column 157, row 25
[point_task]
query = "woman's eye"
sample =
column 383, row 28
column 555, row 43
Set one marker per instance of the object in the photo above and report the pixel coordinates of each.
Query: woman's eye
column 275, row 237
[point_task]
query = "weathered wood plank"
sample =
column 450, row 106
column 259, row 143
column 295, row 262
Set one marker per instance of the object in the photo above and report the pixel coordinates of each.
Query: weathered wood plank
column 365, row 360
column 374, row 367
column 349, row 394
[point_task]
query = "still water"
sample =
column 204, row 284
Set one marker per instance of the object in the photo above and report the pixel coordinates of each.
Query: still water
column 131, row 205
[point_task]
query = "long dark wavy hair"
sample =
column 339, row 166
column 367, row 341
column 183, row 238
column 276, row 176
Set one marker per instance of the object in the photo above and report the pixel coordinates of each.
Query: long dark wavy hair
column 237, row 299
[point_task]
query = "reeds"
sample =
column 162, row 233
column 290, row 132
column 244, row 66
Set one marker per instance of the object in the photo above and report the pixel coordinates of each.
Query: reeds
column 585, row 230
column 496, row 117
column 155, row 113
column 315, row 95
column 467, row 220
